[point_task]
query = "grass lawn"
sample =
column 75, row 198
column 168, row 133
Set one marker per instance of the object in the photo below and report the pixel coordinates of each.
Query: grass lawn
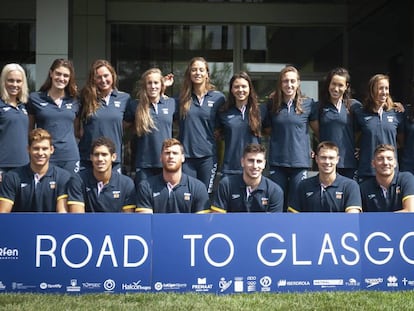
column 361, row 300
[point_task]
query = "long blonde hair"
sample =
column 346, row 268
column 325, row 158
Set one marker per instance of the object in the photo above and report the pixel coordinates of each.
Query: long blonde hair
column 187, row 87
column 144, row 123
column 24, row 92
column 370, row 102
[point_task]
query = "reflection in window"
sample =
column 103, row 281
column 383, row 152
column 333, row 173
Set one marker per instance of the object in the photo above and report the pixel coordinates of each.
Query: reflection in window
column 266, row 49
column 135, row 48
column 17, row 45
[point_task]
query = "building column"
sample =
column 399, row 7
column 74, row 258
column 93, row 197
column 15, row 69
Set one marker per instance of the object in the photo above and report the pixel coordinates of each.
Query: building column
column 52, row 33
column 88, row 36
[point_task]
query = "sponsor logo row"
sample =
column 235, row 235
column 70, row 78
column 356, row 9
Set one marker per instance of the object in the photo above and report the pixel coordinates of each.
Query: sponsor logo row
column 74, row 286
column 236, row 285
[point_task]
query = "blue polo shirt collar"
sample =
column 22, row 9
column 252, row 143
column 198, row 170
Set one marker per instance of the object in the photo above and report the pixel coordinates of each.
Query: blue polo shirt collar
column 183, row 181
column 260, row 187
column 393, row 182
column 335, row 183
column 48, row 173
column 93, row 181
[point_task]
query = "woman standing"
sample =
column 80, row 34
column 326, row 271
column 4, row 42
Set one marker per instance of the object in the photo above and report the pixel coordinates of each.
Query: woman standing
column 102, row 111
column 198, row 108
column 14, row 122
column 239, row 121
column 152, row 114
column 377, row 122
column 288, row 117
column 336, row 120
column 55, row 108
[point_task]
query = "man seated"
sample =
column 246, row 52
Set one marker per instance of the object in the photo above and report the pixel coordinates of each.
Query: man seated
column 327, row 191
column 390, row 190
column 249, row 191
column 101, row 188
column 37, row 186
column 172, row 191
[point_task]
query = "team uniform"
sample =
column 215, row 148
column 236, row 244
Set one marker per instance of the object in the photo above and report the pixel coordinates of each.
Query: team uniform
column 289, row 144
column 233, row 196
column 197, row 136
column 106, row 121
column 234, row 123
column 27, row 194
column 116, row 196
column 189, row 196
column 59, row 122
column 342, row 195
column 148, row 147
column 14, row 127
column 374, row 198
column 338, row 126
column 375, row 129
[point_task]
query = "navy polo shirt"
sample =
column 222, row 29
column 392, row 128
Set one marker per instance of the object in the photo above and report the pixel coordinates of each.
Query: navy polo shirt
column 375, row 130
column 237, row 134
column 339, row 127
column 197, row 128
column 106, row 121
column 407, row 158
column 342, row 195
column 18, row 187
column 189, row 196
column 58, row 121
column 116, row 196
column 231, row 196
column 148, row 146
column 14, row 127
column 289, row 142
column 401, row 188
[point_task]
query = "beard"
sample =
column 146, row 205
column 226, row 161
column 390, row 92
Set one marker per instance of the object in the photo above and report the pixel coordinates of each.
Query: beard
column 172, row 169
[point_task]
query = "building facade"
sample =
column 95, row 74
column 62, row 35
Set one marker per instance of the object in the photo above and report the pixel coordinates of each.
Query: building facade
column 260, row 36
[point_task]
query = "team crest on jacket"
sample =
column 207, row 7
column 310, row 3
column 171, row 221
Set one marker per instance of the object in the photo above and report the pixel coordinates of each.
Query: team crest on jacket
column 52, row 185
column 265, row 201
column 187, row 196
column 116, row 194
column 339, row 194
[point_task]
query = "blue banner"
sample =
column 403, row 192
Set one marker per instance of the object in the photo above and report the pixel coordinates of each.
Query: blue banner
column 213, row 253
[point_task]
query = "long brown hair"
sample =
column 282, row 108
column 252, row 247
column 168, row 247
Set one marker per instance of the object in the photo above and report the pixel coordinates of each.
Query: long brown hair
column 144, row 123
column 187, row 87
column 70, row 89
column 252, row 103
column 277, row 100
column 326, row 96
column 90, row 94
